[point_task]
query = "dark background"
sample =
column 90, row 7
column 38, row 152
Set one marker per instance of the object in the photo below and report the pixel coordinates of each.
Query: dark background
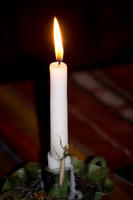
column 95, row 33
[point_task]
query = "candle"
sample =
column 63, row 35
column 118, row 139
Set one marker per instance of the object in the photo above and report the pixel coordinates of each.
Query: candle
column 58, row 103
column 58, row 117
column 58, row 108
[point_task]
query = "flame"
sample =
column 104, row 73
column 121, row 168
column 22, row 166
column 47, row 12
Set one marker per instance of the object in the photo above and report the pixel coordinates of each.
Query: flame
column 58, row 41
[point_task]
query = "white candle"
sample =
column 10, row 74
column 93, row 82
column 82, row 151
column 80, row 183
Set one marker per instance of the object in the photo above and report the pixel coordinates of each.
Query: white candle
column 58, row 108
column 58, row 104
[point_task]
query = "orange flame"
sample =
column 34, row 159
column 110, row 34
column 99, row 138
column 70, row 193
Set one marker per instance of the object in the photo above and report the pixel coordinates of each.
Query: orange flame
column 58, row 41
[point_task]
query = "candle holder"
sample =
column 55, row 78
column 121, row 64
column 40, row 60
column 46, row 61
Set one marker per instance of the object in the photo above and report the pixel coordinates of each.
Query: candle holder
column 34, row 181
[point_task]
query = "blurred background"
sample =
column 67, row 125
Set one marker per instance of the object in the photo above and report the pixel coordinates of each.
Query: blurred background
column 94, row 32
column 98, row 49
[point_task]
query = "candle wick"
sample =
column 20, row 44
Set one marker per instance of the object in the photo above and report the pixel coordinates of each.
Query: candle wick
column 59, row 62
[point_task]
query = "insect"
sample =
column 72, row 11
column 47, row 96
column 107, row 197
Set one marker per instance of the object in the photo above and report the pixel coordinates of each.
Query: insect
column 62, row 164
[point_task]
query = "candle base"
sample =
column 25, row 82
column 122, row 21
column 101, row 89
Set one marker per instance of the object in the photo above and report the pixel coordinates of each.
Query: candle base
column 52, row 183
column 91, row 180
column 68, row 188
column 54, row 165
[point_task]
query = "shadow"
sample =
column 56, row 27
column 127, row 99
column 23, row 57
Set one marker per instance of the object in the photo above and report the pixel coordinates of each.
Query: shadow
column 41, row 84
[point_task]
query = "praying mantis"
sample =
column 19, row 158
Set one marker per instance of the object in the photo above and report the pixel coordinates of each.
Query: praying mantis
column 62, row 164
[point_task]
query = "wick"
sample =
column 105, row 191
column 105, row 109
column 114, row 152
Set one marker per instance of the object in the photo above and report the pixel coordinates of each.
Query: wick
column 59, row 62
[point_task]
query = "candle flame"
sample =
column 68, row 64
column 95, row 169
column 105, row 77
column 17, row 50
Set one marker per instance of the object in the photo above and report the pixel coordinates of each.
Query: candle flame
column 58, row 41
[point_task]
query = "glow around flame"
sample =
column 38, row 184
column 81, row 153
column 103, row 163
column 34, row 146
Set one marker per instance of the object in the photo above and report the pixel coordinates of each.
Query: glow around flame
column 58, row 41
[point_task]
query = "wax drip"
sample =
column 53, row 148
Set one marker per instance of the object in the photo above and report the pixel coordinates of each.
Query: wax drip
column 73, row 191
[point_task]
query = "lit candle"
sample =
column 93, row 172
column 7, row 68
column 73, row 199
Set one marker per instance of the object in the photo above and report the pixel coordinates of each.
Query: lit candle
column 58, row 102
